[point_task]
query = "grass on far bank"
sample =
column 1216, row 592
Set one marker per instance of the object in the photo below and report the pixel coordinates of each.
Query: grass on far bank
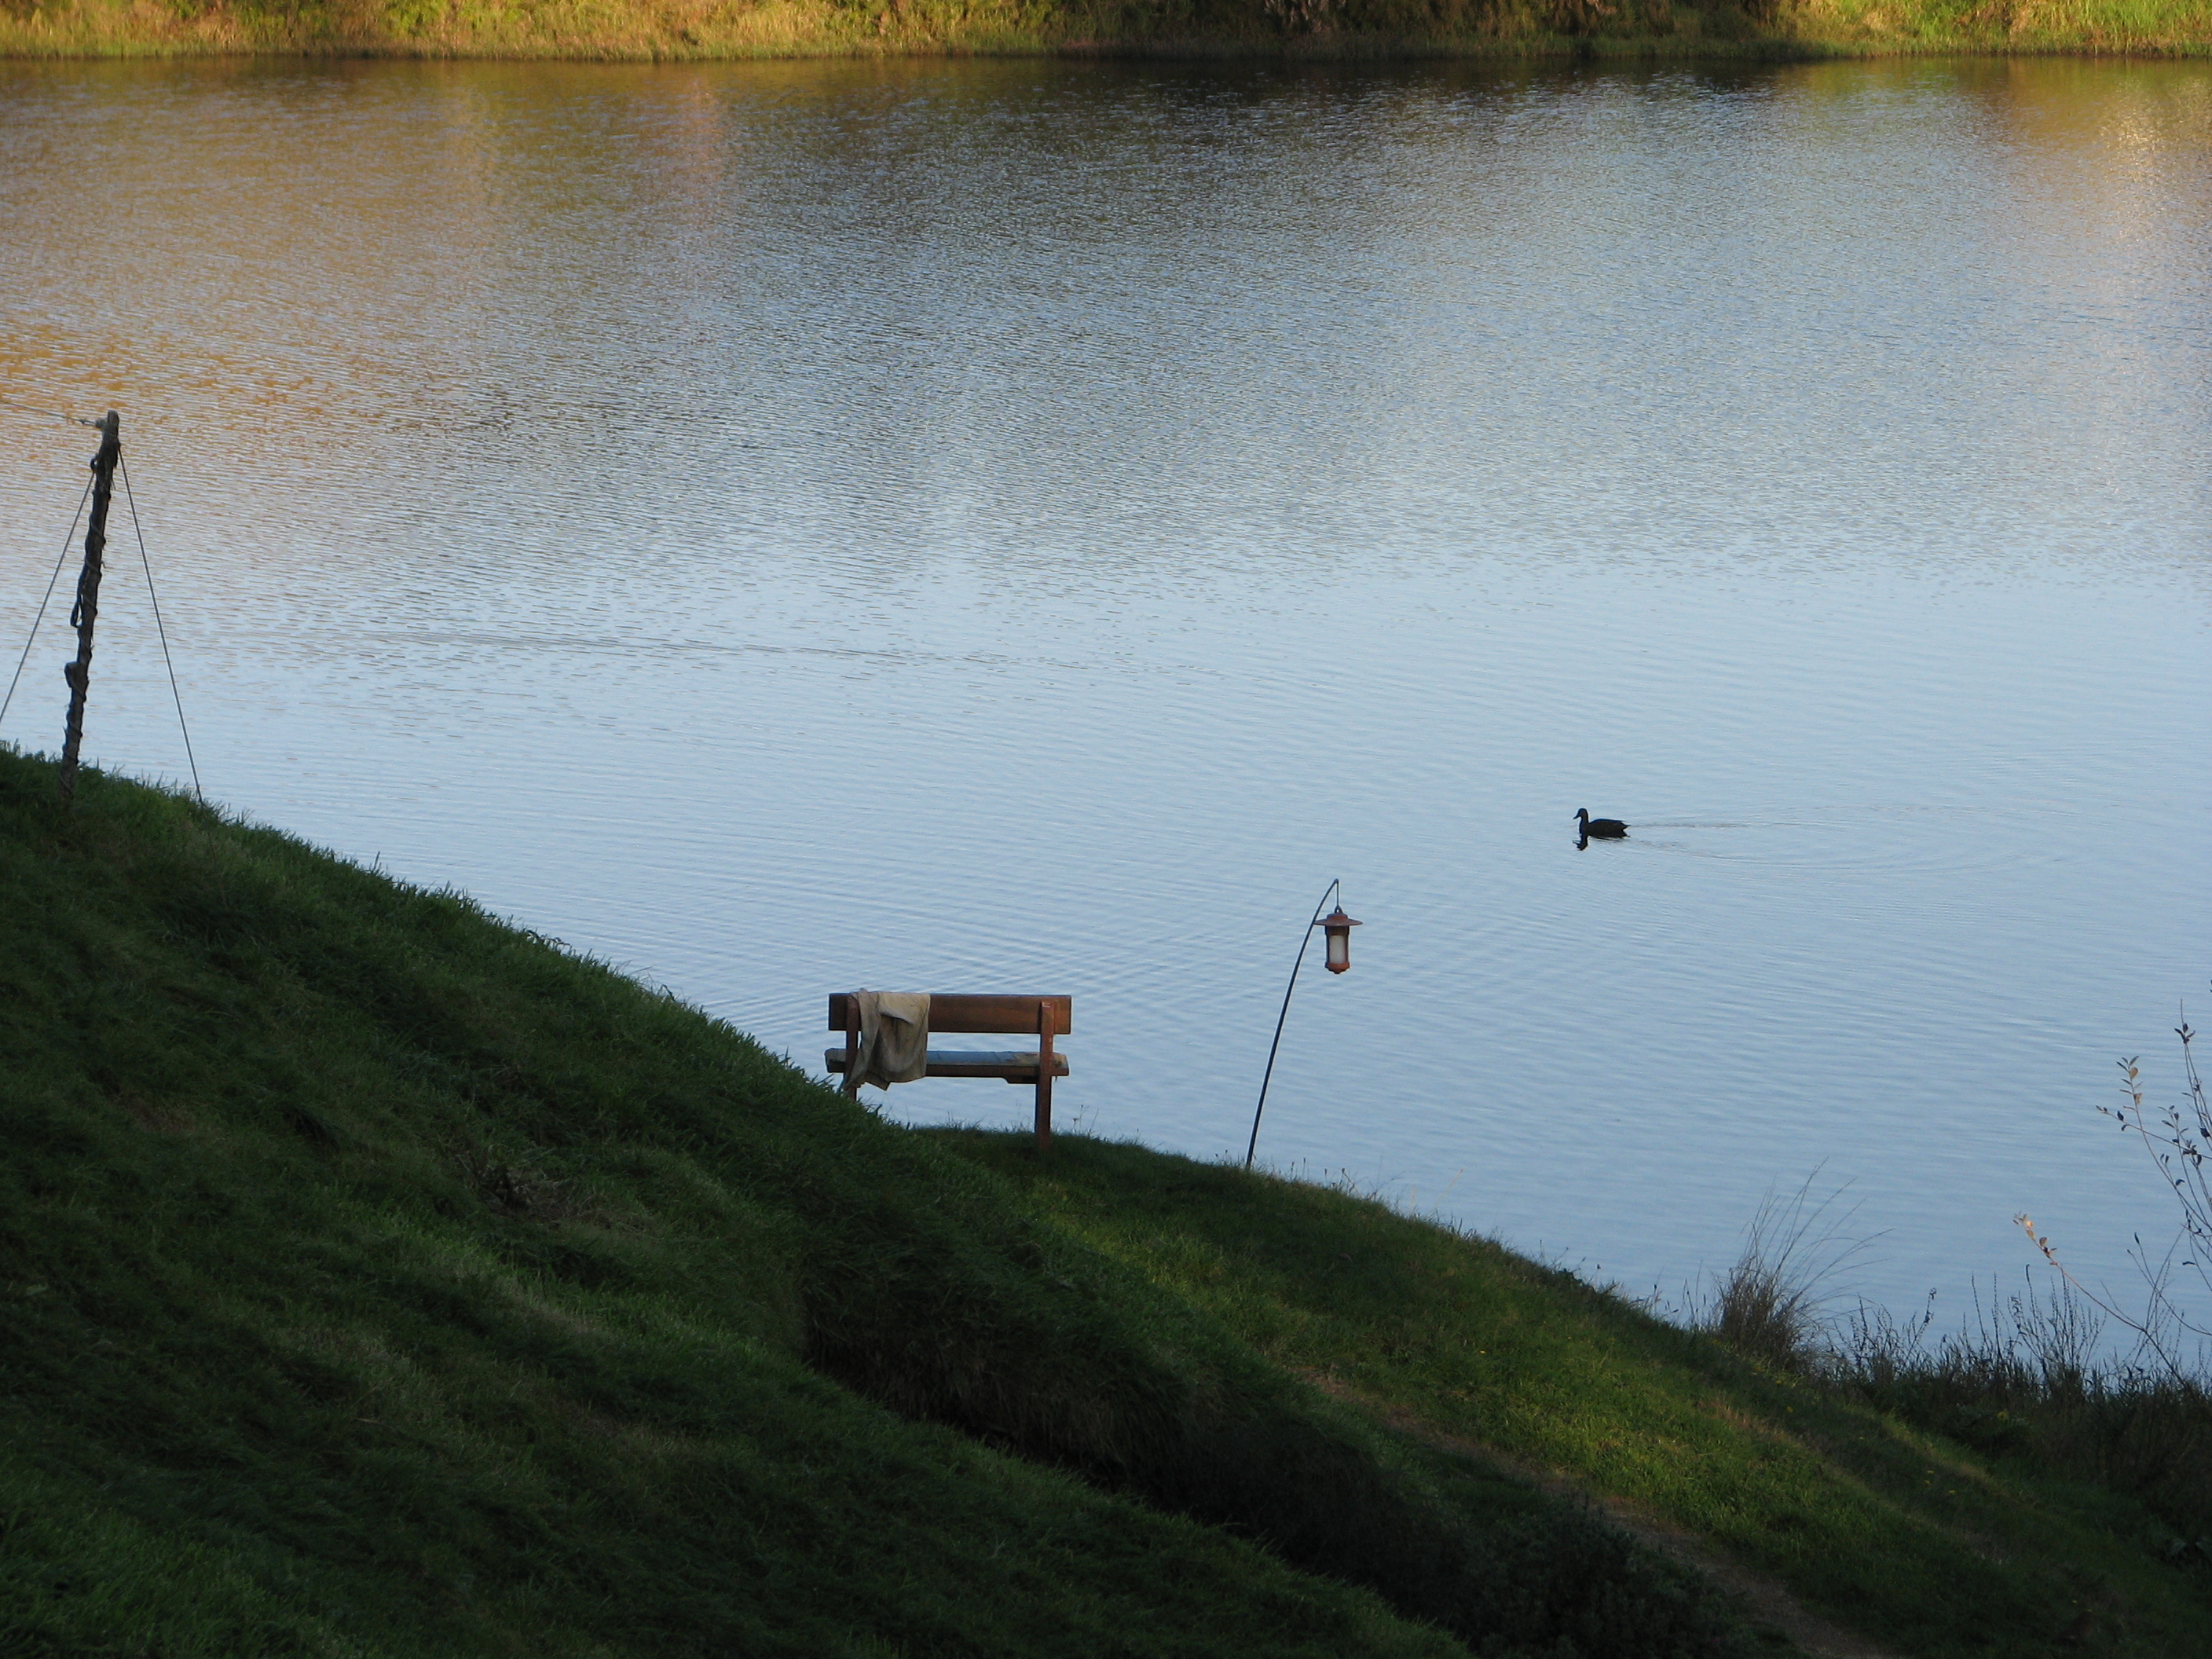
column 656, row 30
column 1914, row 1538
column 379, row 1278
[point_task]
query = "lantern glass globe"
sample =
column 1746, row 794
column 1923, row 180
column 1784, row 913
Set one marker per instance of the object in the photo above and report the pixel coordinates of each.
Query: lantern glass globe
column 1337, row 929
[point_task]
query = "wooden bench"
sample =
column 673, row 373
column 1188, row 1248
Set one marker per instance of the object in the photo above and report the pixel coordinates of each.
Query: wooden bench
column 1045, row 1018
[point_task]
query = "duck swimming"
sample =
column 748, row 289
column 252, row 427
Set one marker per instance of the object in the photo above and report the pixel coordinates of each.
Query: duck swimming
column 1600, row 829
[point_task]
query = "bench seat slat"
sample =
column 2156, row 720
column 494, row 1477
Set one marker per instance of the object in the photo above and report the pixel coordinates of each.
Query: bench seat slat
column 970, row 1015
column 1015, row 1068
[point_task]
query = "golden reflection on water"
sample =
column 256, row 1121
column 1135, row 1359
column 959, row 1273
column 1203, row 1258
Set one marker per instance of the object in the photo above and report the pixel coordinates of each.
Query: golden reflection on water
column 274, row 231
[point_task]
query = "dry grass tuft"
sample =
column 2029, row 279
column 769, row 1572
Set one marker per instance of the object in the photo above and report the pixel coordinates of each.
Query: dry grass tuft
column 1771, row 1304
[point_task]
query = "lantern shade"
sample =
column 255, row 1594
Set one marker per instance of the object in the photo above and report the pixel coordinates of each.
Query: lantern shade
column 1337, row 929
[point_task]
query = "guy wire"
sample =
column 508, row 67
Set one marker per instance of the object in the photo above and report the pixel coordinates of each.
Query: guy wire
column 41, row 616
column 50, row 414
column 131, row 501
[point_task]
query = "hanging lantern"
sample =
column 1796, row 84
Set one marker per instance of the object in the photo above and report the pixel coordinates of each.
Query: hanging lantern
column 1338, row 927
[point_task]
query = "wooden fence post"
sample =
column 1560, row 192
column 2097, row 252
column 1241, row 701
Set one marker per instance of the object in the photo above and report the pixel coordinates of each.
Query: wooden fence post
column 86, row 611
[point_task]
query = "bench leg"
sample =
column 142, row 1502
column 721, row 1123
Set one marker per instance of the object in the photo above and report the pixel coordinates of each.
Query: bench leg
column 1044, row 1077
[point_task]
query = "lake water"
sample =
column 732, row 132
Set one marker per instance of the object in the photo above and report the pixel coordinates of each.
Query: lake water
column 1031, row 524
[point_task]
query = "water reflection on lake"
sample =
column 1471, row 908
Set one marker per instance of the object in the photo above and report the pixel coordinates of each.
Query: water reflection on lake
column 994, row 525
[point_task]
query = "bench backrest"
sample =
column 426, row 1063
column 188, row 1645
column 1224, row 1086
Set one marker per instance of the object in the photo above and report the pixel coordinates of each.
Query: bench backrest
column 968, row 1014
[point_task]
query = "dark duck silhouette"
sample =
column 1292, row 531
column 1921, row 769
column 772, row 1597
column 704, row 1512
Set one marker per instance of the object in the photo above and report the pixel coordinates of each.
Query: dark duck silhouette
column 1599, row 829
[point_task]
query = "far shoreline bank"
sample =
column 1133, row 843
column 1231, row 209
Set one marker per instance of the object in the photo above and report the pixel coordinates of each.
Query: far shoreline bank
column 1301, row 32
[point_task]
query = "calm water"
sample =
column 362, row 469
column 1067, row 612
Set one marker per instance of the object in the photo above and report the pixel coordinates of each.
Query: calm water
column 1030, row 526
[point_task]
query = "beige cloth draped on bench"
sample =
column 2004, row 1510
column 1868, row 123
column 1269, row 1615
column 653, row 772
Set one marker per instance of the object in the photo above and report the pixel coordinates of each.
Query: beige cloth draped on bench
column 893, row 1044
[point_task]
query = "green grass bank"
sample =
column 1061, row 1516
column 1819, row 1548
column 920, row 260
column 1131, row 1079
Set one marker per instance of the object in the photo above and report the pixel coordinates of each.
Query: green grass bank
column 1909, row 1538
column 379, row 1278
column 653, row 30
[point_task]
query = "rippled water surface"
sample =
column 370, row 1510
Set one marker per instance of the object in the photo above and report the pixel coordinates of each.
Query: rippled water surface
column 1030, row 526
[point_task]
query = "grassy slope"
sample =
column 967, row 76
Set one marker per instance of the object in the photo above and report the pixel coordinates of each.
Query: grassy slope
column 377, row 1278
column 1897, row 1535
column 659, row 29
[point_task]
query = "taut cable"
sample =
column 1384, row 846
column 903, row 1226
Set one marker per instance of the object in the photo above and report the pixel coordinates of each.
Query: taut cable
column 51, row 583
column 131, row 501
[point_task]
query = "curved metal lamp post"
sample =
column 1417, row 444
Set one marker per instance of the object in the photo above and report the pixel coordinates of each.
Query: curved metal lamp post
column 1338, row 927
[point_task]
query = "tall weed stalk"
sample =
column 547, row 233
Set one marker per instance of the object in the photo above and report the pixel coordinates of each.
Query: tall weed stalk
column 2179, row 1142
